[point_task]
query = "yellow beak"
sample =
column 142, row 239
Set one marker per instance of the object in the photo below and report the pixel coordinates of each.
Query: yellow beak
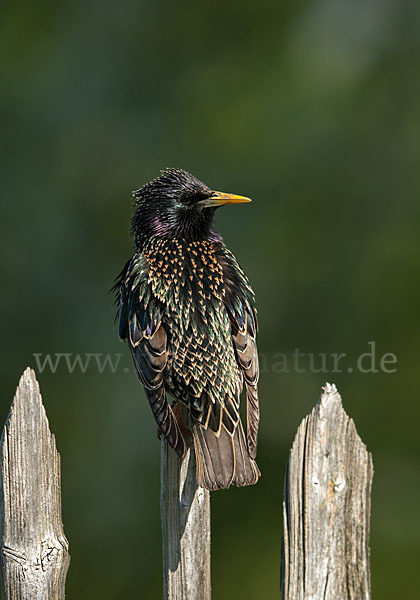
column 221, row 198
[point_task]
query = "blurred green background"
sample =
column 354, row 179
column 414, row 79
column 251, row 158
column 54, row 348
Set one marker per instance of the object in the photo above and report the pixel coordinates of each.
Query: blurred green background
column 312, row 109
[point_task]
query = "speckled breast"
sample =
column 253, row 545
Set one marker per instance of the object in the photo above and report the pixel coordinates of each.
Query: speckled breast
column 188, row 280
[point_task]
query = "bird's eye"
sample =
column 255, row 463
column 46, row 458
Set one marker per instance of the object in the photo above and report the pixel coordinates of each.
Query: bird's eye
column 195, row 198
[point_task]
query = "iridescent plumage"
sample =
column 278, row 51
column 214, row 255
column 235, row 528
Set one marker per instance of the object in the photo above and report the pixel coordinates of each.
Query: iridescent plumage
column 188, row 313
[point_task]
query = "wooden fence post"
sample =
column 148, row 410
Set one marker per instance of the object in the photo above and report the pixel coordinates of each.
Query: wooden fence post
column 326, row 508
column 34, row 550
column 185, row 514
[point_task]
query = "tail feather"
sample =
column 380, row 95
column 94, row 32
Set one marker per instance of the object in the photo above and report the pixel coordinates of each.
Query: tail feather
column 224, row 459
column 252, row 418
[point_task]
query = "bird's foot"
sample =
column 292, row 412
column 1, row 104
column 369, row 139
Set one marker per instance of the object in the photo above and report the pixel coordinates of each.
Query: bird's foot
column 177, row 408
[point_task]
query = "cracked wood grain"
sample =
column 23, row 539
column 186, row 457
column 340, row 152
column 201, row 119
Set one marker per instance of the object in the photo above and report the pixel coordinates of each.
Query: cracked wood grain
column 185, row 514
column 326, row 508
column 34, row 549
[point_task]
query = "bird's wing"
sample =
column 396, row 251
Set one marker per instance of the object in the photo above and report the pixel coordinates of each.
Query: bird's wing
column 240, row 305
column 140, row 322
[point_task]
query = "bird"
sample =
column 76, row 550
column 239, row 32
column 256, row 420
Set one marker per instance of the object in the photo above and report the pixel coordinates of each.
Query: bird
column 187, row 311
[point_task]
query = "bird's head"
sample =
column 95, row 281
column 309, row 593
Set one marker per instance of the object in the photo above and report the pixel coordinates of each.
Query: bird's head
column 177, row 205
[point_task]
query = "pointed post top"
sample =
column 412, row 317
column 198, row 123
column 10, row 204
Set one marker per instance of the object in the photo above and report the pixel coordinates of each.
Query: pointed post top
column 34, row 548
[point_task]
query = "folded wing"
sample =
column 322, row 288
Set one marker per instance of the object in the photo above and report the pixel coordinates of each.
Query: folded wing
column 140, row 323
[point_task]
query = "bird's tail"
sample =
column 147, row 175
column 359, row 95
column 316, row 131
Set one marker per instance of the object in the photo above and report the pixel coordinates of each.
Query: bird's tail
column 224, row 459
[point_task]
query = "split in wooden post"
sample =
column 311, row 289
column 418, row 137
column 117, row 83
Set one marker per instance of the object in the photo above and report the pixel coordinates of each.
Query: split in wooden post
column 34, row 549
column 326, row 508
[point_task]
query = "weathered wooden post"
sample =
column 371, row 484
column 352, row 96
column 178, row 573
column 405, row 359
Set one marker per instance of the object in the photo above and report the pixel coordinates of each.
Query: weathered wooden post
column 185, row 514
column 326, row 508
column 34, row 550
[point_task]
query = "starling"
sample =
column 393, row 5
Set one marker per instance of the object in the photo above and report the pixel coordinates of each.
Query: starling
column 188, row 313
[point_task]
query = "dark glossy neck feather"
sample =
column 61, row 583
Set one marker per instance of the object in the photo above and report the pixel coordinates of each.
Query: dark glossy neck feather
column 169, row 223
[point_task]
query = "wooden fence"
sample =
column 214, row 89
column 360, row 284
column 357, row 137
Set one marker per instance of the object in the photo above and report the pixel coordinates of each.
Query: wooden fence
column 326, row 510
